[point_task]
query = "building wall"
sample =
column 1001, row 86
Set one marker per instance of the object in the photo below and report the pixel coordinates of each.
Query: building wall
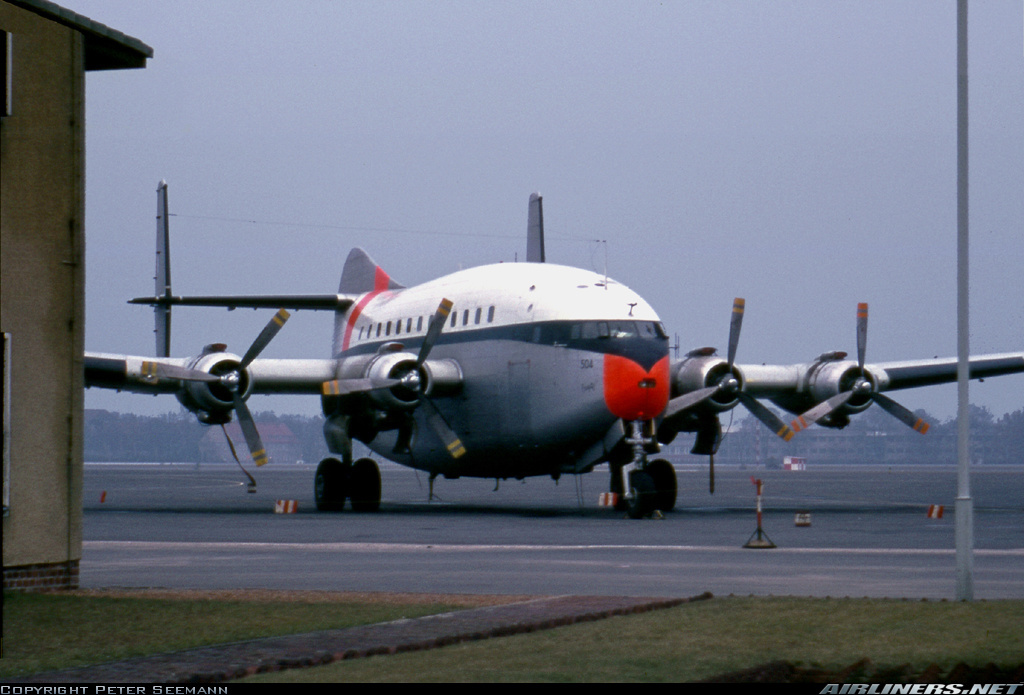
column 42, row 209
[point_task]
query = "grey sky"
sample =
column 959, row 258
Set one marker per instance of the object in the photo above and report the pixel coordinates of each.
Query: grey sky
column 799, row 154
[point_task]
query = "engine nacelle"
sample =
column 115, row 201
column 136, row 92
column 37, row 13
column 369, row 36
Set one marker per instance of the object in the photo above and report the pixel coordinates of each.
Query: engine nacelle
column 827, row 379
column 213, row 401
column 396, row 365
column 700, row 371
column 432, row 378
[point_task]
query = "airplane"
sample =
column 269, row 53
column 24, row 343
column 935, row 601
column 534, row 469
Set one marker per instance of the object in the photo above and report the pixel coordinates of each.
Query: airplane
column 507, row 370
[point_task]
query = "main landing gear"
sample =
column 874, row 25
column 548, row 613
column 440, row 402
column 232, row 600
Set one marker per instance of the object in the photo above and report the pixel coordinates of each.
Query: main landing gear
column 336, row 482
column 652, row 484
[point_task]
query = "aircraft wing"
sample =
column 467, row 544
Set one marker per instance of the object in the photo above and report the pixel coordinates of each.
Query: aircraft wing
column 779, row 381
column 138, row 374
column 827, row 391
column 904, row 375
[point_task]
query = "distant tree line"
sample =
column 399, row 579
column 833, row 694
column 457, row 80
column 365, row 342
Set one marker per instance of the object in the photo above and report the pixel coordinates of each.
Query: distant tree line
column 872, row 437
column 124, row 437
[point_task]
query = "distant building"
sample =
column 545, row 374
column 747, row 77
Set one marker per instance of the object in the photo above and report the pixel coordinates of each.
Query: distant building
column 46, row 51
column 794, row 463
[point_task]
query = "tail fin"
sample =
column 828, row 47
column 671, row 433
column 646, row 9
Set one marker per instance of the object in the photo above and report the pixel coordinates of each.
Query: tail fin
column 535, row 230
column 162, row 312
column 361, row 274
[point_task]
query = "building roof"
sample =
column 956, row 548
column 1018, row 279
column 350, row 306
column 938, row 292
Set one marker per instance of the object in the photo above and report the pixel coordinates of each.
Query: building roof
column 105, row 48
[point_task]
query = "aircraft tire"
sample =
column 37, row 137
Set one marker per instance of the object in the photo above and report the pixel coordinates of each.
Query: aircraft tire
column 365, row 486
column 330, row 486
column 642, row 502
column 665, row 486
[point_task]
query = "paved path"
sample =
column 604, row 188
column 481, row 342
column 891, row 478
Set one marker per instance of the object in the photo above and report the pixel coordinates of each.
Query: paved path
column 224, row 662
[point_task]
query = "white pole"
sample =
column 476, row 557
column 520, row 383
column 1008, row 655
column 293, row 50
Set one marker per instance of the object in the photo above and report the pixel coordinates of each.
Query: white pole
column 964, row 503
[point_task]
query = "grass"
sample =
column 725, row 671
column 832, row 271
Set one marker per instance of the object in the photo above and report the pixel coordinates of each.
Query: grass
column 705, row 639
column 43, row 632
column 687, row 643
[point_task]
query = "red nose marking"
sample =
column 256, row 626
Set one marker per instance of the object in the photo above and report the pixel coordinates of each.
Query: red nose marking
column 632, row 392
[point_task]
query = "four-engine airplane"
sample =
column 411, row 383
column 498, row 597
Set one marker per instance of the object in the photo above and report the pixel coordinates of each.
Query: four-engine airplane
column 507, row 371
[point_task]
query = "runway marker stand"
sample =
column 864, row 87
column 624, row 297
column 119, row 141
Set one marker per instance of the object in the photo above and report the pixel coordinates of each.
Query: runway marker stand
column 759, row 539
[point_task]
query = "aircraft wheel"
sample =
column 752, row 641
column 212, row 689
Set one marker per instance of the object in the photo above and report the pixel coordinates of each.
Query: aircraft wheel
column 665, row 487
column 642, row 503
column 365, row 487
column 330, row 486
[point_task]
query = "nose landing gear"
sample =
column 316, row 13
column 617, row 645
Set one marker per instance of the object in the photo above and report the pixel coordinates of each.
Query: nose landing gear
column 651, row 485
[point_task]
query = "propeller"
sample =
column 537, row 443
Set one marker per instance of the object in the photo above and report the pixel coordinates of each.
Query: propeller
column 862, row 386
column 412, row 381
column 730, row 385
column 154, row 371
column 233, row 381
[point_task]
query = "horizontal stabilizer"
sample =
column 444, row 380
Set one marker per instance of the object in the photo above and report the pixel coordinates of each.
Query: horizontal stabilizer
column 322, row 302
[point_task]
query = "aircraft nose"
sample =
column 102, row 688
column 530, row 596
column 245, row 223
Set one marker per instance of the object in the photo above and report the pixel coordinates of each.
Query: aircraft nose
column 632, row 392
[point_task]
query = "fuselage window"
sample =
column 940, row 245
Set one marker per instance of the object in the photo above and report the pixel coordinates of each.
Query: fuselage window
column 408, row 325
column 361, row 328
column 465, row 317
column 419, row 324
column 378, row 330
column 455, row 318
column 387, row 329
column 398, row 327
column 490, row 314
column 479, row 313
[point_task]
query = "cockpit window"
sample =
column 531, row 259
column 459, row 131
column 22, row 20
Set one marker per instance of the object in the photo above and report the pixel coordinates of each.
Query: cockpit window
column 622, row 329
column 652, row 330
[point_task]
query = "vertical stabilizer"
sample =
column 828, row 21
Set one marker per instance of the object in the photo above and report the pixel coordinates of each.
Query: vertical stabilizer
column 162, row 312
column 535, row 230
column 360, row 276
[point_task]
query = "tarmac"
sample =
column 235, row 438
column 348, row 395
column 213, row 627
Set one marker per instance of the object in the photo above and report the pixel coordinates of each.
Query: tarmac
column 225, row 662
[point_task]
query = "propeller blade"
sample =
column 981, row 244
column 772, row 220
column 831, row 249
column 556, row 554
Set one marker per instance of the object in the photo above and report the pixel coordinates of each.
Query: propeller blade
column 862, row 333
column 436, row 326
column 252, row 435
column 231, row 446
column 735, row 324
column 762, row 413
column 443, row 431
column 819, row 411
column 902, row 413
column 157, row 370
column 343, row 387
column 688, row 400
column 265, row 336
